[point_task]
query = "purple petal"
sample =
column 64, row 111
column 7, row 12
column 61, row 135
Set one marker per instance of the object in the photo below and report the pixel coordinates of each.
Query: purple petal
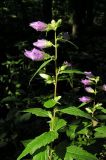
column 39, row 26
column 34, row 54
column 86, row 82
column 104, row 87
column 85, row 99
column 42, row 43
column 88, row 74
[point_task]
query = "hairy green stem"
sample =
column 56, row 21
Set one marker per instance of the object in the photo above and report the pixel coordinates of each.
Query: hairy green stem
column 56, row 70
column 55, row 94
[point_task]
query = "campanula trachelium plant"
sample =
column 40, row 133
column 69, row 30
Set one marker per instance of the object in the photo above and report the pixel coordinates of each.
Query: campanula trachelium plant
column 77, row 124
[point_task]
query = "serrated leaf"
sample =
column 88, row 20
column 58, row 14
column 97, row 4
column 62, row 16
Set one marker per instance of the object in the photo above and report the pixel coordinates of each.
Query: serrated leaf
column 71, row 131
column 71, row 71
column 42, row 154
column 76, row 112
column 38, row 112
column 39, row 142
column 77, row 153
column 59, row 123
column 104, row 110
column 83, row 131
column 25, row 142
column 42, row 66
column 100, row 132
column 50, row 103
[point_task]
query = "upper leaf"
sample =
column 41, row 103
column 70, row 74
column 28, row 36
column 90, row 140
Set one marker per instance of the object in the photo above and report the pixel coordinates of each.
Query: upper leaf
column 50, row 103
column 71, row 71
column 38, row 112
column 42, row 66
column 76, row 112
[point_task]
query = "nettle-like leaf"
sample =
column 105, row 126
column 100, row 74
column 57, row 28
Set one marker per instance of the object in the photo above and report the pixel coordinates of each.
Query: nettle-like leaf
column 38, row 112
column 100, row 132
column 77, row 153
column 71, row 131
column 76, row 112
column 50, row 103
column 41, row 154
column 71, row 71
column 58, row 123
column 39, row 142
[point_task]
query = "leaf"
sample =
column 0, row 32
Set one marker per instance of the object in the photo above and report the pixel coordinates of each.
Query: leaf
column 25, row 142
column 100, row 132
column 71, row 71
column 50, row 103
column 77, row 153
column 104, row 110
column 101, row 117
column 42, row 154
column 10, row 99
column 45, row 76
column 59, row 123
column 39, row 142
column 42, row 66
column 76, row 112
column 71, row 131
column 38, row 112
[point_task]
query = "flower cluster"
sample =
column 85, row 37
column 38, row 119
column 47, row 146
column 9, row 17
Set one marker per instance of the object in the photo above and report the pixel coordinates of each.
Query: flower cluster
column 87, row 82
column 38, row 54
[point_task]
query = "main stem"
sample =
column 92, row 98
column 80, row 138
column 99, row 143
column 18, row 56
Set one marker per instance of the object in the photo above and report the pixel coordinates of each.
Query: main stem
column 56, row 74
column 55, row 93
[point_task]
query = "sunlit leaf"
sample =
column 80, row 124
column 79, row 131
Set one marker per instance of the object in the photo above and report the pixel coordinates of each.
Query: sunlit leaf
column 38, row 142
column 38, row 112
column 77, row 153
column 76, row 112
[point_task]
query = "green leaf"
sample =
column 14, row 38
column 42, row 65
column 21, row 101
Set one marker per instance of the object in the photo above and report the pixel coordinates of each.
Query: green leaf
column 10, row 99
column 39, row 142
column 76, row 112
column 42, row 66
column 41, row 154
column 45, row 76
column 50, row 103
column 59, row 123
column 71, row 71
column 100, row 132
column 104, row 110
column 101, row 117
column 77, row 153
column 38, row 112
column 71, row 131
